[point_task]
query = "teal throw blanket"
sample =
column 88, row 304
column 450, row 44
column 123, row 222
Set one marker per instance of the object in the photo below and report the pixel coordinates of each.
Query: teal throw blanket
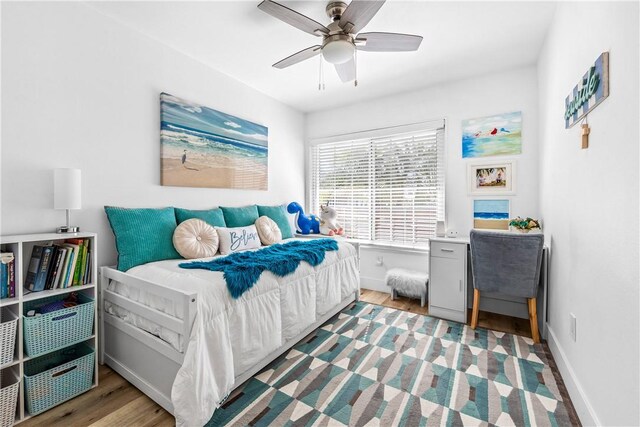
column 243, row 269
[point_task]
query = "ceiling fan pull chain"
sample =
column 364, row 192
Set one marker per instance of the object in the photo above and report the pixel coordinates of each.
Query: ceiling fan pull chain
column 355, row 65
column 321, row 76
column 320, row 73
column 322, row 67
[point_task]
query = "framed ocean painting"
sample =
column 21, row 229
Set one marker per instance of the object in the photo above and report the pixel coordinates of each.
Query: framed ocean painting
column 203, row 147
column 496, row 135
column 491, row 214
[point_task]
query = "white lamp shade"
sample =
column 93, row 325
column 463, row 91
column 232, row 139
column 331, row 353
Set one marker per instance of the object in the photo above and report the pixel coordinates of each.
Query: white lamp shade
column 67, row 189
column 338, row 51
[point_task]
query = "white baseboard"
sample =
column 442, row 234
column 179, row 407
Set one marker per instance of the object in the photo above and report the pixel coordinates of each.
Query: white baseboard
column 373, row 284
column 586, row 413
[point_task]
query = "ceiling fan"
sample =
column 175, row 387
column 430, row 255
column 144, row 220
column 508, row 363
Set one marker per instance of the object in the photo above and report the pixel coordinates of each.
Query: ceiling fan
column 341, row 38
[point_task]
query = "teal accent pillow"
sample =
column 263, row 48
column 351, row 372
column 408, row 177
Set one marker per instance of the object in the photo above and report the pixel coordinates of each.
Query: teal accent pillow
column 240, row 217
column 213, row 217
column 279, row 215
column 142, row 235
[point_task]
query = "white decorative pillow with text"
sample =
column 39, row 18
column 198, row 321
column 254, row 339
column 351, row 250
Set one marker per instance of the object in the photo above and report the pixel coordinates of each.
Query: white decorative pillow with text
column 238, row 239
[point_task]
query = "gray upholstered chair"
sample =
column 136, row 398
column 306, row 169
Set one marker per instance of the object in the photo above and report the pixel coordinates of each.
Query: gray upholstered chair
column 508, row 264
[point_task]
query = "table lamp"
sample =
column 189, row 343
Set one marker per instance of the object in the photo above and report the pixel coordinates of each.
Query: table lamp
column 67, row 190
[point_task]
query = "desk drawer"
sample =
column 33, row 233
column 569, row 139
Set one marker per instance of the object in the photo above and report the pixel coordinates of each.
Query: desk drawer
column 448, row 250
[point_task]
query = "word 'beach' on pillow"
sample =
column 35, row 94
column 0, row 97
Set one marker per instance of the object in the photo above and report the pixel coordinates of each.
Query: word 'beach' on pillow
column 237, row 239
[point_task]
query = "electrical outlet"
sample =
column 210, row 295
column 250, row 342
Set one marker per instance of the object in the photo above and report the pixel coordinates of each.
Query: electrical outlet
column 572, row 326
column 379, row 261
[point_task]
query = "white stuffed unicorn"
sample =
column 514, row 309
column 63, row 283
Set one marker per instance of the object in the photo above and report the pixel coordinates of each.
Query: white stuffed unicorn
column 329, row 226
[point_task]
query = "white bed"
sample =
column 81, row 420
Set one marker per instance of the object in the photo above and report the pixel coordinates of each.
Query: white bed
column 154, row 312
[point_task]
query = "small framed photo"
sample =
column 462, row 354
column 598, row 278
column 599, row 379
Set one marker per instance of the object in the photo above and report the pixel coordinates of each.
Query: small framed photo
column 492, row 179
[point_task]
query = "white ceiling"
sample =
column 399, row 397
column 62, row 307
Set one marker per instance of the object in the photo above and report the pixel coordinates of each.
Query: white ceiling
column 461, row 39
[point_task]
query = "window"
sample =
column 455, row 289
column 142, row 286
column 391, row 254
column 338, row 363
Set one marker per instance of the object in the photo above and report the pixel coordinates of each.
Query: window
column 387, row 187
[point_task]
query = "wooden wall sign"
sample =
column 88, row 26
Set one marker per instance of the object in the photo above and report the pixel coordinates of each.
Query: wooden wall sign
column 592, row 89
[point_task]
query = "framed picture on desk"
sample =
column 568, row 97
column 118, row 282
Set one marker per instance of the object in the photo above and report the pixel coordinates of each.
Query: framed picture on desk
column 491, row 214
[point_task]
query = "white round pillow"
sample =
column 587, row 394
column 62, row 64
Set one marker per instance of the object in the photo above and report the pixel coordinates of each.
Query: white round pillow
column 268, row 231
column 194, row 238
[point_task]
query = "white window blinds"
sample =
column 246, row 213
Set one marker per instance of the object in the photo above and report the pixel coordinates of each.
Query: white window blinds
column 385, row 188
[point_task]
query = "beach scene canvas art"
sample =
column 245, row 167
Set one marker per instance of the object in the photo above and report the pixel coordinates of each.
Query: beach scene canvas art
column 203, row 147
column 492, row 136
column 491, row 214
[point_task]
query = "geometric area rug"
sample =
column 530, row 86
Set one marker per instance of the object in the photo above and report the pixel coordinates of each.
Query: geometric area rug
column 371, row 365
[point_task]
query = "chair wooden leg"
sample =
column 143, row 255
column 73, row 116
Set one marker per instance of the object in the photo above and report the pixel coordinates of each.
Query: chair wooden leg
column 533, row 318
column 476, row 307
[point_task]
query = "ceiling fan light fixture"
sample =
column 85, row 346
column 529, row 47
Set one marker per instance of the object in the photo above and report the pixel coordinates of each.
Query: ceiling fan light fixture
column 338, row 51
column 342, row 36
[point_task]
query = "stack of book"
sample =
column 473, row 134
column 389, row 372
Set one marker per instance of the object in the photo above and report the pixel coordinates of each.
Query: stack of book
column 7, row 275
column 60, row 266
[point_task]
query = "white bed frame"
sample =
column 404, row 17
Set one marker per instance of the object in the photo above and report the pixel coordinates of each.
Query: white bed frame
column 150, row 363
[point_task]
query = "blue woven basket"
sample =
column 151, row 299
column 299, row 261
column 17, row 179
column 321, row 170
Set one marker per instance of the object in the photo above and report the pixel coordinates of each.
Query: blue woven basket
column 58, row 328
column 58, row 376
column 9, row 385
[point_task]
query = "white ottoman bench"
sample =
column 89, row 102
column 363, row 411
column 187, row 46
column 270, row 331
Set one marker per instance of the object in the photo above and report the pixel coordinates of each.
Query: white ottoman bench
column 408, row 283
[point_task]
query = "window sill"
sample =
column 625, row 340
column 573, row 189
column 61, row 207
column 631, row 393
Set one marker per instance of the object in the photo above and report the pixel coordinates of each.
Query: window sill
column 372, row 243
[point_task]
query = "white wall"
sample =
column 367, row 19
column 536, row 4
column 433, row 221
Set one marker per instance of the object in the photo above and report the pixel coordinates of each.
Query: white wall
column 515, row 90
column 81, row 90
column 496, row 93
column 590, row 210
column 376, row 260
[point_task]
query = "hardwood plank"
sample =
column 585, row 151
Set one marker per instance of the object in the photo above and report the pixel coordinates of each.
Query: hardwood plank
column 113, row 393
column 139, row 412
column 373, row 297
column 497, row 322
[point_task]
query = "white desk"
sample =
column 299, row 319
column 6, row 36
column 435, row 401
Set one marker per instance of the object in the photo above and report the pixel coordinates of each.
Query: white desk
column 451, row 285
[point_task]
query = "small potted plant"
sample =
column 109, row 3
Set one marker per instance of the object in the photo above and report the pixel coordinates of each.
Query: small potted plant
column 524, row 225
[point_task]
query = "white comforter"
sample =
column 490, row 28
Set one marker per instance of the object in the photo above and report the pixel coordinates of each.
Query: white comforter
column 230, row 336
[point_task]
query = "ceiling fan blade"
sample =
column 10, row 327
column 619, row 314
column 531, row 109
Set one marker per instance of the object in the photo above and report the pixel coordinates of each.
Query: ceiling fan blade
column 304, row 54
column 388, row 42
column 358, row 14
column 347, row 71
column 293, row 18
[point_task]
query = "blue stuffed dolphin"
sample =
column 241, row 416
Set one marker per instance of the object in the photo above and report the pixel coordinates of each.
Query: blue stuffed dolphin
column 305, row 224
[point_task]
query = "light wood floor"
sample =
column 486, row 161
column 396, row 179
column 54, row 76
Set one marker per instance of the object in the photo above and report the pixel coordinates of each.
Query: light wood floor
column 115, row 402
column 497, row 322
